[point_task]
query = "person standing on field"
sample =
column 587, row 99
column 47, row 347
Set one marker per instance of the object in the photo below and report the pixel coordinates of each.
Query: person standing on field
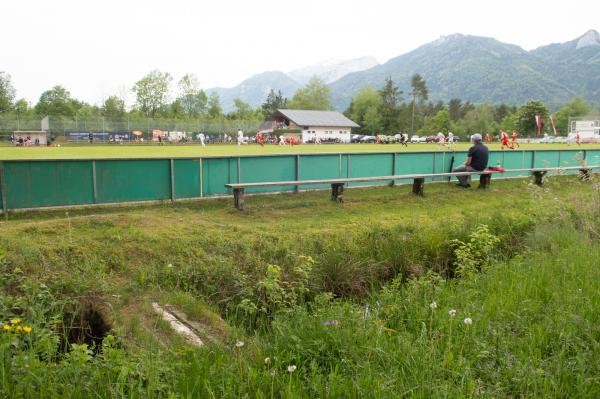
column 504, row 140
column 488, row 138
column 281, row 140
column 477, row 160
column 240, row 137
column 514, row 142
column 441, row 139
column 201, row 136
column 259, row 139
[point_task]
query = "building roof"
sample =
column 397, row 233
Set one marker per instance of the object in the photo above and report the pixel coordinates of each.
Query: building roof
column 317, row 118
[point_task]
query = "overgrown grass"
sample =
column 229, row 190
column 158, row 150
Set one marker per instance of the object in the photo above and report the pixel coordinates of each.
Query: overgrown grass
column 343, row 292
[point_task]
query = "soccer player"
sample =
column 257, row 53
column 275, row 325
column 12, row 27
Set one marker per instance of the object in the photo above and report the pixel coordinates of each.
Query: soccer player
column 514, row 140
column 259, row 139
column 504, row 140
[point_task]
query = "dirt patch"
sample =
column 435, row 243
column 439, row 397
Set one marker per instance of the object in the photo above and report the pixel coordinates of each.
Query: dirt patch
column 88, row 322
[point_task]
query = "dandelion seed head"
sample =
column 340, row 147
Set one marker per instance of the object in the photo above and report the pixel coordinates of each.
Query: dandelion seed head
column 239, row 344
column 468, row 321
column 452, row 312
column 267, row 360
column 433, row 305
column 291, row 368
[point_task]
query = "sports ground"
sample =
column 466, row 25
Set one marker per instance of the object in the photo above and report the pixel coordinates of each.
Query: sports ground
column 67, row 151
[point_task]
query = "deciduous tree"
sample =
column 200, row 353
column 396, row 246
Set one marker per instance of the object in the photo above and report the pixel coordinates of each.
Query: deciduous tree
column 7, row 92
column 525, row 117
column 314, row 96
column 366, row 109
column 214, row 106
column 192, row 99
column 113, row 108
column 57, row 102
column 152, row 92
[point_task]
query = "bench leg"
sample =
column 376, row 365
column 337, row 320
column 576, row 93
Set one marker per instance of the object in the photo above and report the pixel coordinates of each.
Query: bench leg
column 585, row 174
column 485, row 180
column 337, row 191
column 418, row 186
column 539, row 177
column 238, row 198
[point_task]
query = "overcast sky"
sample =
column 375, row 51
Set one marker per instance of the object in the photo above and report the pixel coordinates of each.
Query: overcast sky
column 99, row 48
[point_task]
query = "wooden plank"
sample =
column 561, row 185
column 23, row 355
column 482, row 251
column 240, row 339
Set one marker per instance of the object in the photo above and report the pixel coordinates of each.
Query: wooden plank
column 395, row 177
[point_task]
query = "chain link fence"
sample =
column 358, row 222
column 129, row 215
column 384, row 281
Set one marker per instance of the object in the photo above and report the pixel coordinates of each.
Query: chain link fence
column 126, row 129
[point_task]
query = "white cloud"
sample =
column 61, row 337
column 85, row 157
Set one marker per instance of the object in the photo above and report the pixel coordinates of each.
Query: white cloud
column 97, row 48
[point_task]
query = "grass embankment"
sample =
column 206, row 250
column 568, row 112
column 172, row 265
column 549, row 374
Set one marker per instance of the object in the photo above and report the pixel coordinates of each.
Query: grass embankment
column 343, row 292
column 68, row 151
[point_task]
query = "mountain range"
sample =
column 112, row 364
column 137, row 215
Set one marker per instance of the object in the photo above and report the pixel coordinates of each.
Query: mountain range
column 472, row 68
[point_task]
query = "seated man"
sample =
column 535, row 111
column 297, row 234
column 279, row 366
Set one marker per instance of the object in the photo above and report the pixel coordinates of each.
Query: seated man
column 477, row 161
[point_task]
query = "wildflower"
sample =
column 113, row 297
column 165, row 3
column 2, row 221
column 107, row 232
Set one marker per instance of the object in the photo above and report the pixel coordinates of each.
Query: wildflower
column 6, row 327
column 18, row 328
column 267, row 360
column 170, row 265
column 239, row 344
column 433, row 305
column 452, row 312
column 14, row 322
column 26, row 329
column 468, row 321
column 291, row 368
column 17, row 270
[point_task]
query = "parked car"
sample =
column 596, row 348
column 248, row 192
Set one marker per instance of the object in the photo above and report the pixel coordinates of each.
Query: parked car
column 415, row 139
column 368, row 139
column 560, row 140
column 547, row 140
column 356, row 138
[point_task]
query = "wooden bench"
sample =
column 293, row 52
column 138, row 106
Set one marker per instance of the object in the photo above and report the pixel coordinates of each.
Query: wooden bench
column 337, row 185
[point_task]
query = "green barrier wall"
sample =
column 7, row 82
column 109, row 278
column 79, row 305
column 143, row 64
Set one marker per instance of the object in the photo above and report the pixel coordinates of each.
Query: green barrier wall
column 43, row 183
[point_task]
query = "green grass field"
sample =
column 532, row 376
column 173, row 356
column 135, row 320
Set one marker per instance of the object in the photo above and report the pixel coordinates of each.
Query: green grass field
column 385, row 295
column 193, row 150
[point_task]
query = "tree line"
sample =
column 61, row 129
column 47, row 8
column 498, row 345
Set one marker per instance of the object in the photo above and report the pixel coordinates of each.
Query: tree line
column 385, row 111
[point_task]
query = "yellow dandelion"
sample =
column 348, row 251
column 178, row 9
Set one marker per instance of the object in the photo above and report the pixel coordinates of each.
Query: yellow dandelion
column 18, row 328
column 14, row 322
column 26, row 329
column 6, row 327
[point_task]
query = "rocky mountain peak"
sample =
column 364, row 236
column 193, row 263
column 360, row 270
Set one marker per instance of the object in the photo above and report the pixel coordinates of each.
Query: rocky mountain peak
column 590, row 38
